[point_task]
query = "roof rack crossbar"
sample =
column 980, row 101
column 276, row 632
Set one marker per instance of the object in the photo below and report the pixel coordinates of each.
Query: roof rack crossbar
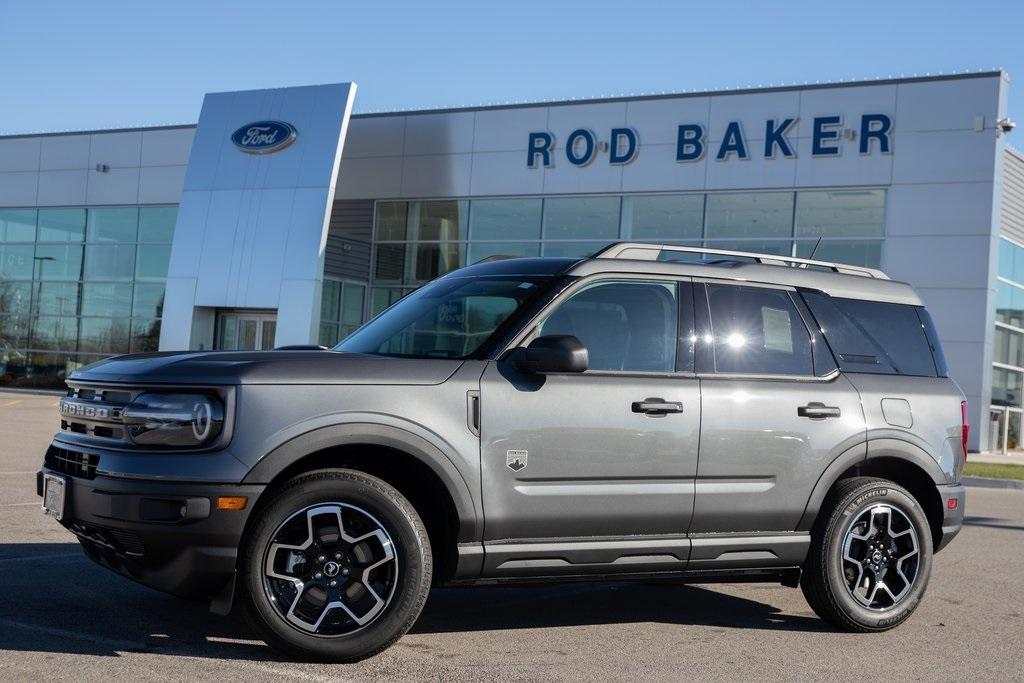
column 651, row 252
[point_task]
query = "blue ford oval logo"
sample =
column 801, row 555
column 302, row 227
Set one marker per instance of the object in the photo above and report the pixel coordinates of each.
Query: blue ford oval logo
column 264, row 137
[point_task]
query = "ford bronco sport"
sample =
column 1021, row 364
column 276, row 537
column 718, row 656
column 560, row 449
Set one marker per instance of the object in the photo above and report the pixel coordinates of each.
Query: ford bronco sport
column 654, row 411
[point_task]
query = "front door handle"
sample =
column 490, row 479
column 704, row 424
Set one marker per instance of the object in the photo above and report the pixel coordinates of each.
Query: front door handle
column 817, row 411
column 657, row 406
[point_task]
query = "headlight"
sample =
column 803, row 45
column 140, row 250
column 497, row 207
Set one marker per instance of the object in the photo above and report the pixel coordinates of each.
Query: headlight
column 187, row 420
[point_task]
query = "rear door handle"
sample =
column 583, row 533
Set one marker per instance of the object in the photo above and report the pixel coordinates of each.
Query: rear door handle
column 657, row 406
column 818, row 411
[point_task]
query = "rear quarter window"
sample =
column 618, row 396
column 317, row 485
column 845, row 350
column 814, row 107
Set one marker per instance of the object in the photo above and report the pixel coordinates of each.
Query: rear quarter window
column 877, row 337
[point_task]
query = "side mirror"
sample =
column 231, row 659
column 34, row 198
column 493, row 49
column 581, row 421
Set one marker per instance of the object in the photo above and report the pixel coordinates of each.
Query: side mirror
column 553, row 353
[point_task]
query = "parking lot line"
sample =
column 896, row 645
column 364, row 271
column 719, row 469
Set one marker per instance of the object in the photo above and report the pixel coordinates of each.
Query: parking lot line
column 11, row 403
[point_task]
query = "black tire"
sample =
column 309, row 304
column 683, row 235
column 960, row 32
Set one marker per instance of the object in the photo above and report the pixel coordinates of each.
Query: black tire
column 411, row 558
column 825, row 582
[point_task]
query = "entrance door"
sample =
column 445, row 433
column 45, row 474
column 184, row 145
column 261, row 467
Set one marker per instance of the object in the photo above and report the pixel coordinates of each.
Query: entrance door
column 600, row 464
column 245, row 331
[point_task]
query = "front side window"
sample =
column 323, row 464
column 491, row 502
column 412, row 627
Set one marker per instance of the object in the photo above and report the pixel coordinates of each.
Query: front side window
column 625, row 325
column 449, row 318
column 758, row 331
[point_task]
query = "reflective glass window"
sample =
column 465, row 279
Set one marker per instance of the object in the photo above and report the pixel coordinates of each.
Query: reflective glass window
column 750, row 214
column 56, row 298
column 594, row 218
column 663, row 217
column 119, row 224
column 15, row 297
column 391, row 221
column 151, row 262
column 17, row 225
column 478, row 251
column 104, row 335
column 757, row 330
column 58, row 262
column 156, row 223
column 866, row 253
column 1009, row 347
column 50, row 333
column 145, row 336
column 16, row 261
column 109, row 262
column 441, row 220
column 505, row 219
column 106, row 299
column 61, row 225
column 625, row 325
column 1006, row 387
column 148, row 300
column 840, row 213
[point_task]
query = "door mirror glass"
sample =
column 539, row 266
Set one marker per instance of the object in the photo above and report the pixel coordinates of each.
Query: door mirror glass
column 553, row 353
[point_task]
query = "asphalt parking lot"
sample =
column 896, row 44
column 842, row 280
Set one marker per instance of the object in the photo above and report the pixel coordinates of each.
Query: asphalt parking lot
column 62, row 618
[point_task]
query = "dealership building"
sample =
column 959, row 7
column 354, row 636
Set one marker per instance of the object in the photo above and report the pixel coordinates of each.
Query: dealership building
column 282, row 218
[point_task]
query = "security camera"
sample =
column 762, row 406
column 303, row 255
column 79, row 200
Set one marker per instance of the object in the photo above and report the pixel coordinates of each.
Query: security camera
column 1005, row 124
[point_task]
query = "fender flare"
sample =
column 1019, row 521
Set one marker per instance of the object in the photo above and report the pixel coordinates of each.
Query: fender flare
column 351, row 433
column 887, row 446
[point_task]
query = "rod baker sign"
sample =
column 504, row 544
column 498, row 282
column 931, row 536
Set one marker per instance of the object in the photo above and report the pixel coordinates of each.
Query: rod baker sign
column 828, row 135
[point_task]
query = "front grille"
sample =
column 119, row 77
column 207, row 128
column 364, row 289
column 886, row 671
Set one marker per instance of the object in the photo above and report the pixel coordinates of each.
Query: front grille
column 71, row 463
column 95, row 412
column 121, row 542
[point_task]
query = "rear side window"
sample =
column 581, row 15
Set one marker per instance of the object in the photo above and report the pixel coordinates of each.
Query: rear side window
column 875, row 337
column 758, row 331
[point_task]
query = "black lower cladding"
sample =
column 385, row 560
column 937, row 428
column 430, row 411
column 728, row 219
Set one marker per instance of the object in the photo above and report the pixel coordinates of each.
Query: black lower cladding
column 166, row 535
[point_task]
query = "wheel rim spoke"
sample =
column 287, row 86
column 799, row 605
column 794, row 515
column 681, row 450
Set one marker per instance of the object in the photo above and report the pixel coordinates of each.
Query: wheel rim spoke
column 880, row 556
column 330, row 569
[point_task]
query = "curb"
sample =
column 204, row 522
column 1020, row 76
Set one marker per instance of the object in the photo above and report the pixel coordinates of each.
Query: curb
column 988, row 483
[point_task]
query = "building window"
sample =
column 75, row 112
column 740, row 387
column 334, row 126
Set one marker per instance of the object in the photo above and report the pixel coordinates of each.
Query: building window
column 341, row 310
column 77, row 285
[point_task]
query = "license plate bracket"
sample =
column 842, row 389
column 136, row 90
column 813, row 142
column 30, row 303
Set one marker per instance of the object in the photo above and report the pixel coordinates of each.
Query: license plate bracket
column 54, row 495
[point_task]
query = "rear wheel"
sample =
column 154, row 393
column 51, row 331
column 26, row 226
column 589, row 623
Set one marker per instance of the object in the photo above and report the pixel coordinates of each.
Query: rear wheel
column 336, row 567
column 870, row 557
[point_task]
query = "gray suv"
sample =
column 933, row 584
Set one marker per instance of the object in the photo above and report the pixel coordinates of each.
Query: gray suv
column 653, row 411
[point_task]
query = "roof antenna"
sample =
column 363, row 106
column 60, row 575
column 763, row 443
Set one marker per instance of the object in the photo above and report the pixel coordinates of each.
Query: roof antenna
column 816, row 245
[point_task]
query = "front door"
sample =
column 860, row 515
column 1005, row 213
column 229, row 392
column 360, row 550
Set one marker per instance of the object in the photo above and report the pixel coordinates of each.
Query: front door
column 245, row 331
column 603, row 461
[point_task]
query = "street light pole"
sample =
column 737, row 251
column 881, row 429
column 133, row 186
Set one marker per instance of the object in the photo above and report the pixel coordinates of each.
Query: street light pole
column 36, row 260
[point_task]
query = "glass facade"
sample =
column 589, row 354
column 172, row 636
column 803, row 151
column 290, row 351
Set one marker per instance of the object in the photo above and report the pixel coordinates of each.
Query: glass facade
column 417, row 241
column 77, row 285
column 1008, row 350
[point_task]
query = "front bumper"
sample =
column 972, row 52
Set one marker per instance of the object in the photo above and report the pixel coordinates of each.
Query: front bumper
column 168, row 536
column 953, row 518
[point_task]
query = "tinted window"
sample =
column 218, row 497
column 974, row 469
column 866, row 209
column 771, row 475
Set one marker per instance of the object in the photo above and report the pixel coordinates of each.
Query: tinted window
column 758, row 331
column 627, row 326
column 449, row 318
column 874, row 337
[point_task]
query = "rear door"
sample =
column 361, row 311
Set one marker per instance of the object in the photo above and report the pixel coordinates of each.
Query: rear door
column 775, row 411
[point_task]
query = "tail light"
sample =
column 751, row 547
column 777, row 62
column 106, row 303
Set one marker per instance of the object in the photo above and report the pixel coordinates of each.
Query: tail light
column 965, row 427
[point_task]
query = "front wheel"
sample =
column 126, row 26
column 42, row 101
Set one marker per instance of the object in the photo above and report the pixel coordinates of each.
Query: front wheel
column 870, row 556
column 335, row 568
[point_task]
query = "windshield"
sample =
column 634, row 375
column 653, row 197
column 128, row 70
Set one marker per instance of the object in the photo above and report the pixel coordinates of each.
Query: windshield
column 448, row 318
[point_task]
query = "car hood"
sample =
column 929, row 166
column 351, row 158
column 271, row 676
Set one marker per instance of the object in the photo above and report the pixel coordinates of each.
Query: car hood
column 266, row 367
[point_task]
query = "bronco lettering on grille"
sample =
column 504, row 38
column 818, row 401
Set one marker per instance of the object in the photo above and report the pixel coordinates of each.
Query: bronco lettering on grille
column 74, row 409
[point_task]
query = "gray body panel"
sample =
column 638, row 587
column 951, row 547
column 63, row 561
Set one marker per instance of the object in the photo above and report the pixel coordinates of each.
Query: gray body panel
column 594, row 467
column 759, row 460
column 917, row 418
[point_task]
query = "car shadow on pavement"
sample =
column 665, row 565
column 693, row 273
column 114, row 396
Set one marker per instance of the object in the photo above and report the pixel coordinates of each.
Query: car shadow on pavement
column 56, row 600
column 993, row 523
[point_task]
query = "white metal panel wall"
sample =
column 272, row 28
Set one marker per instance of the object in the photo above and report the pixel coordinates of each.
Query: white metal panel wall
column 144, row 166
column 251, row 228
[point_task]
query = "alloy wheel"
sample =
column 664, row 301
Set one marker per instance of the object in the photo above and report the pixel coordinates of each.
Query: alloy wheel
column 330, row 569
column 881, row 555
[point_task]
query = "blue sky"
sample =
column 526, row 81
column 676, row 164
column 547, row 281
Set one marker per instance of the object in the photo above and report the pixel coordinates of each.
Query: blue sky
column 80, row 65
